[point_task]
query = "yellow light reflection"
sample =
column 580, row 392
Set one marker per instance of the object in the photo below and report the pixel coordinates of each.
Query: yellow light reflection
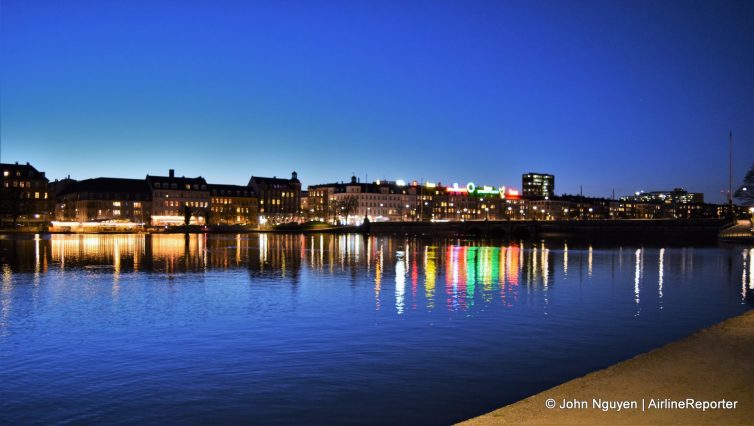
column 430, row 275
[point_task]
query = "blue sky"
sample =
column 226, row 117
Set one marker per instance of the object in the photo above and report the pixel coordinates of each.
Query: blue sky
column 635, row 95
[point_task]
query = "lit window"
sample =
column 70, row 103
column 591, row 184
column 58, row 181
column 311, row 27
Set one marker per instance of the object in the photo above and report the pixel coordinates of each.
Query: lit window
column 116, row 203
column 36, row 195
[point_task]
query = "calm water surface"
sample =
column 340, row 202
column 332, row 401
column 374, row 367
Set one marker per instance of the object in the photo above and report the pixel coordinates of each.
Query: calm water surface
column 323, row 329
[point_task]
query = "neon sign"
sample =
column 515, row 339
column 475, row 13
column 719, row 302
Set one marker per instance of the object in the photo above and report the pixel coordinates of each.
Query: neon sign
column 482, row 191
column 456, row 190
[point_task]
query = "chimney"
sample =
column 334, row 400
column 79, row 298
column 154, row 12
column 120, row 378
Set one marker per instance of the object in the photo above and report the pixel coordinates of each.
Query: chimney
column 171, row 173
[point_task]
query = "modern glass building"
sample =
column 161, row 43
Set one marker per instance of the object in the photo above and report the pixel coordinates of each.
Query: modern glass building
column 538, row 185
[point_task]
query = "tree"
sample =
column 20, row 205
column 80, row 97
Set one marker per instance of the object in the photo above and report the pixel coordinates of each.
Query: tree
column 186, row 215
column 745, row 192
column 346, row 206
column 13, row 204
column 207, row 216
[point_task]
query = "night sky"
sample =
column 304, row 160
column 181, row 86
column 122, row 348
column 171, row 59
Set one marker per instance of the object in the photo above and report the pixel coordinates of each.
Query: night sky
column 635, row 95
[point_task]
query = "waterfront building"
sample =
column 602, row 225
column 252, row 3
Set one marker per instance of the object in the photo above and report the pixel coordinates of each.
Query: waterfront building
column 587, row 208
column 538, row 185
column 676, row 196
column 675, row 204
column 470, row 202
column 279, row 199
column 304, row 209
column 232, row 205
column 551, row 209
column 103, row 200
column 321, row 202
column 24, row 195
column 379, row 201
column 172, row 195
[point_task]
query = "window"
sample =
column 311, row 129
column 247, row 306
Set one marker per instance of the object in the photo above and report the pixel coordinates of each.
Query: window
column 116, row 203
column 36, row 195
column 6, row 173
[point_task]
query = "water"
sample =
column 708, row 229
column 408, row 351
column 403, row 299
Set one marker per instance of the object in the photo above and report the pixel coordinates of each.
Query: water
column 325, row 329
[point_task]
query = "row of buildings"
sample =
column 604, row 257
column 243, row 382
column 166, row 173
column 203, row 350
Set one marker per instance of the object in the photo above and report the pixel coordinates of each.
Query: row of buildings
column 28, row 197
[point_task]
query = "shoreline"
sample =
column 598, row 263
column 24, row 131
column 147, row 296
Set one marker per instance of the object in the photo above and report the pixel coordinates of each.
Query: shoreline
column 713, row 364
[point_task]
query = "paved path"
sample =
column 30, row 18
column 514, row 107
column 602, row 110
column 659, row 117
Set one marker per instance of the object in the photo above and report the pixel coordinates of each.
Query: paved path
column 714, row 364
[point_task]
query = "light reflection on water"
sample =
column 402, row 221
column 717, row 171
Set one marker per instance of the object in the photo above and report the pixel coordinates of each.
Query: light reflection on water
column 280, row 327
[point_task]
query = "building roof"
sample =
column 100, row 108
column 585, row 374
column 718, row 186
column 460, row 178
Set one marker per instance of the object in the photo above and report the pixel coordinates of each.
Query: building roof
column 108, row 185
column 274, row 182
column 180, row 181
column 231, row 190
column 27, row 170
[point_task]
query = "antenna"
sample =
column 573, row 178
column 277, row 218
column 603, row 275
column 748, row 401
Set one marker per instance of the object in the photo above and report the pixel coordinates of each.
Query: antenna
column 730, row 171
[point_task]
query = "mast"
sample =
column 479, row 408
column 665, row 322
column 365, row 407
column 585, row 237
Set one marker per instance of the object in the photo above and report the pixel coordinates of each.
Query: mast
column 730, row 171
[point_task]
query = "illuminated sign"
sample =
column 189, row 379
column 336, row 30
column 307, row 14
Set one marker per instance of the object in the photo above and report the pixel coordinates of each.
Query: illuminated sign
column 482, row 191
column 487, row 190
column 456, row 190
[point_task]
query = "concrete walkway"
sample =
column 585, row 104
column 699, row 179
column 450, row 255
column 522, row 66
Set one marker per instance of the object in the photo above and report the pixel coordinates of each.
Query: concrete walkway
column 712, row 365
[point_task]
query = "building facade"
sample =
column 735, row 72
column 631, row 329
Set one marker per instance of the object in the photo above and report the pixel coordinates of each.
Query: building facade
column 104, row 199
column 279, row 199
column 437, row 202
column 173, row 197
column 675, row 204
column 538, row 185
column 233, row 205
column 24, row 195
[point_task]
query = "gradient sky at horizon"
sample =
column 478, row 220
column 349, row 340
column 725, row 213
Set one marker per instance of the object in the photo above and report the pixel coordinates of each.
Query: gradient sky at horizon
column 624, row 95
